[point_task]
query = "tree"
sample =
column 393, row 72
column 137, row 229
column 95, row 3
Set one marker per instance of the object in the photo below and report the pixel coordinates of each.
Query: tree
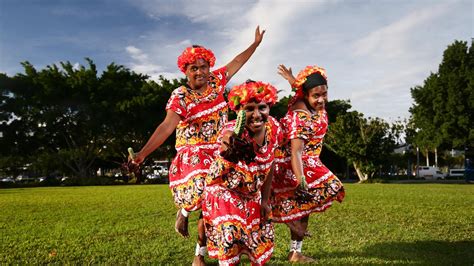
column 366, row 143
column 280, row 108
column 70, row 118
column 443, row 109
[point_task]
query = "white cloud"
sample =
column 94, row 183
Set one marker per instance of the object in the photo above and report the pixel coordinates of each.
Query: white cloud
column 374, row 52
column 142, row 64
column 395, row 39
column 76, row 66
column 137, row 54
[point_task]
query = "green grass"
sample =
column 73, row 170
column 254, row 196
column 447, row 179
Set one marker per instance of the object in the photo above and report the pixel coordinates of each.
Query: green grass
column 376, row 224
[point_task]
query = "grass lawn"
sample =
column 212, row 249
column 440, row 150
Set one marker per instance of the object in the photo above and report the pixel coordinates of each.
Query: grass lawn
column 376, row 224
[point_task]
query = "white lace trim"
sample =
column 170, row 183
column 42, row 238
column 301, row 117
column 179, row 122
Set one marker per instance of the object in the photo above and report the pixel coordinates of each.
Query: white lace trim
column 310, row 185
column 208, row 111
column 320, row 180
column 255, row 168
column 236, row 258
column 187, row 177
column 196, row 147
column 302, row 214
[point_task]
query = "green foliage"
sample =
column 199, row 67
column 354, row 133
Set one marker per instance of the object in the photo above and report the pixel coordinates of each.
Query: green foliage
column 70, row 119
column 366, row 143
column 390, row 224
column 337, row 108
column 280, row 108
column 443, row 109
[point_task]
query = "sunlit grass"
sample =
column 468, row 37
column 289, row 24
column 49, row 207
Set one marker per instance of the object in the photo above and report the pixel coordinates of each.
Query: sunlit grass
column 376, row 224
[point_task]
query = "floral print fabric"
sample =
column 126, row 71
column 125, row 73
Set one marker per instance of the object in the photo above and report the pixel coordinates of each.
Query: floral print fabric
column 322, row 183
column 231, row 206
column 202, row 116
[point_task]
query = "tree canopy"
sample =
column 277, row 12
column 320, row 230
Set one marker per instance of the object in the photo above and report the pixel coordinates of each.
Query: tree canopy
column 443, row 109
column 68, row 119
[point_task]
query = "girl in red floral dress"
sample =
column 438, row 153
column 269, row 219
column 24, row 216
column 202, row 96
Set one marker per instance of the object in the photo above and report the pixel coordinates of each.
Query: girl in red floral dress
column 302, row 184
column 235, row 206
column 197, row 111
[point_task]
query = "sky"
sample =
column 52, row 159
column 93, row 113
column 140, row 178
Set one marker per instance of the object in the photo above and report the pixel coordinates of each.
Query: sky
column 374, row 51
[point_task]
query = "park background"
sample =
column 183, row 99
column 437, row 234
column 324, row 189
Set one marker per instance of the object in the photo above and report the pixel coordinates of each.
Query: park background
column 401, row 96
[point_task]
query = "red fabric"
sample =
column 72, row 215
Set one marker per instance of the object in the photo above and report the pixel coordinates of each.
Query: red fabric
column 203, row 115
column 231, row 206
column 323, row 184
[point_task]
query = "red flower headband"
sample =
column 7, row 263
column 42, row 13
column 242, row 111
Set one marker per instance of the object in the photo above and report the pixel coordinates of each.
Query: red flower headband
column 257, row 90
column 301, row 78
column 191, row 54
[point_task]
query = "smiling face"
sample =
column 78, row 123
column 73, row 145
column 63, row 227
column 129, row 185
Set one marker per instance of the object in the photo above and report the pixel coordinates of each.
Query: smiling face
column 256, row 114
column 317, row 97
column 198, row 74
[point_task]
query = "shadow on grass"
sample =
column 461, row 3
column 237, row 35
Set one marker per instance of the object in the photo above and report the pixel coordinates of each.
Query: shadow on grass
column 420, row 252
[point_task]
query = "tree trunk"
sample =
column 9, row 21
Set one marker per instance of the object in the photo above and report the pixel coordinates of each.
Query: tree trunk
column 427, row 158
column 362, row 176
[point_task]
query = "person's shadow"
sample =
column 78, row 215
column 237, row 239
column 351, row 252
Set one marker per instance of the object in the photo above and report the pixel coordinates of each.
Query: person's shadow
column 419, row 252
column 394, row 253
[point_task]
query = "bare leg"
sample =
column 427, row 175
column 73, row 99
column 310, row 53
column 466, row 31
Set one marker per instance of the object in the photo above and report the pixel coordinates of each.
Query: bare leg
column 199, row 258
column 181, row 224
column 296, row 255
column 304, row 224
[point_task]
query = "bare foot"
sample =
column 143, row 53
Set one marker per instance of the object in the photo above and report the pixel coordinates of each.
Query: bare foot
column 181, row 224
column 295, row 256
column 199, row 261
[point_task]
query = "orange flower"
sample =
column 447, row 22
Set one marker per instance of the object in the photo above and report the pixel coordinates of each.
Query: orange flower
column 257, row 90
column 191, row 54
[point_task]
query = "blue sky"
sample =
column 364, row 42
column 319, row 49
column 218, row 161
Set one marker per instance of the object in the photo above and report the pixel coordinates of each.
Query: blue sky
column 374, row 51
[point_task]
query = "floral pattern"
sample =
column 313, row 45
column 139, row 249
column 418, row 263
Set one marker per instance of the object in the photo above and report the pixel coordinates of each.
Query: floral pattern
column 231, row 207
column 202, row 116
column 323, row 184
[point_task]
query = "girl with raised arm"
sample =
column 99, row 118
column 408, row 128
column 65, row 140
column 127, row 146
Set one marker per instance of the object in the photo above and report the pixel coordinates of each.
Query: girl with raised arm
column 302, row 184
column 197, row 111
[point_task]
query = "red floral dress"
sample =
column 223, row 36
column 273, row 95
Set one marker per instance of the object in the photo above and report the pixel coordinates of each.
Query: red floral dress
column 231, row 206
column 322, row 183
column 202, row 117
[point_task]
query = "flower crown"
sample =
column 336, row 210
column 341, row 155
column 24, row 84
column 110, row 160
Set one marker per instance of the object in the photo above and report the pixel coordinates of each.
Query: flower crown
column 301, row 77
column 191, row 54
column 257, row 90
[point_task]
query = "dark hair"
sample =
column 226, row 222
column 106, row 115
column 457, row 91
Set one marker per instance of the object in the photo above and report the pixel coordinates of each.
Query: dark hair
column 312, row 81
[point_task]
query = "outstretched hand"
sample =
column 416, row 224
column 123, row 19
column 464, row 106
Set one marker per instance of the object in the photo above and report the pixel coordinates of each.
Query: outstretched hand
column 138, row 159
column 236, row 149
column 259, row 35
column 302, row 192
column 286, row 73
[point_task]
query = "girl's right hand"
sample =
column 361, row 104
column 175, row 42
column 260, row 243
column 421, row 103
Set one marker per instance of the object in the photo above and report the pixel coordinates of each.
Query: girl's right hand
column 137, row 160
column 302, row 183
column 286, row 73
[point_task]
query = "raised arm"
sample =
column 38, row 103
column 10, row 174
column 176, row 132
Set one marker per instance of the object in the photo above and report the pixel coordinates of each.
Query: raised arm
column 236, row 63
column 287, row 74
column 162, row 132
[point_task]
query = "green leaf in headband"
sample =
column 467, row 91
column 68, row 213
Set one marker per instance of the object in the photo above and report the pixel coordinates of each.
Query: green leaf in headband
column 235, row 100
